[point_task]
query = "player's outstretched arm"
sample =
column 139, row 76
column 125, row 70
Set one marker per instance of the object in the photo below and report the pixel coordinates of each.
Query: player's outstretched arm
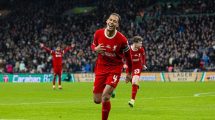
column 45, row 48
column 72, row 46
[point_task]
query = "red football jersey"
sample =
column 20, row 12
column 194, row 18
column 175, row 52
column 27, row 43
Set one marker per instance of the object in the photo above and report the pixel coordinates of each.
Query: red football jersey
column 57, row 56
column 115, row 47
column 138, row 58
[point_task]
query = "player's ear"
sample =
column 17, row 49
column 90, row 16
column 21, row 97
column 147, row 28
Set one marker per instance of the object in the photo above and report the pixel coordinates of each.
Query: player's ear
column 117, row 25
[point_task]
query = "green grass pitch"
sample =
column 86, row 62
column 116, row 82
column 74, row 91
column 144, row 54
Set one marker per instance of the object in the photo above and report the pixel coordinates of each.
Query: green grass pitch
column 155, row 101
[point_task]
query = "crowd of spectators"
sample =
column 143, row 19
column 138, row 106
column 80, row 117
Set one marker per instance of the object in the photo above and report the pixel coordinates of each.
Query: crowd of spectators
column 183, row 42
column 193, row 6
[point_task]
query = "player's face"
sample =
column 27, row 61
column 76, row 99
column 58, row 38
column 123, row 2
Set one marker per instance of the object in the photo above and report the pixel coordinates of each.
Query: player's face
column 58, row 49
column 112, row 22
column 138, row 44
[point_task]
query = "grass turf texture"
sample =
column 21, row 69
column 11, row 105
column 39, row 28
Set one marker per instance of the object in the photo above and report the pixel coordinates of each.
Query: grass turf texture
column 155, row 101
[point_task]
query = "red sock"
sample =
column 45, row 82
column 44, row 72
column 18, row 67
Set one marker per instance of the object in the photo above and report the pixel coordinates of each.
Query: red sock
column 54, row 80
column 106, row 106
column 134, row 91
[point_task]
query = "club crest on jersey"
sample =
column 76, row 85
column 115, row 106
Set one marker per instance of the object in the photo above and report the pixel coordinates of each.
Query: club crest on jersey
column 114, row 47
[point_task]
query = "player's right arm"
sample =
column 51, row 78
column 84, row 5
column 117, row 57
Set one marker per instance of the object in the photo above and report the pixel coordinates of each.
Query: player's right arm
column 45, row 48
column 143, row 58
column 99, row 48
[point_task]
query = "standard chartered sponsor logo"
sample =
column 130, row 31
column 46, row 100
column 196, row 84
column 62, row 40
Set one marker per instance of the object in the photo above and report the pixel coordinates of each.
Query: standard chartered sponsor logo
column 110, row 54
column 17, row 78
column 135, row 60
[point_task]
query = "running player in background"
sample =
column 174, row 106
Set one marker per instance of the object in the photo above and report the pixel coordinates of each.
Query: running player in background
column 111, row 46
column 57, row 58
column 138, row 63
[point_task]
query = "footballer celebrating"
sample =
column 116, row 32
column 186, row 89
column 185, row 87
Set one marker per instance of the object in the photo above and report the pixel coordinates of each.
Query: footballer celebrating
column 111, row 46
column 57, row 58
column 138, row 63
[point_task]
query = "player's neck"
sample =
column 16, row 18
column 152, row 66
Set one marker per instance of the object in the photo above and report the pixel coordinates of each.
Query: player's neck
column 110, row 34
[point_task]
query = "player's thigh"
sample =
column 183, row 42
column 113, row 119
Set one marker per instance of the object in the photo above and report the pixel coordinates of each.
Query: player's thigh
column 57, row 69
column 99, row 84
column 136, row 76
column 135, row 79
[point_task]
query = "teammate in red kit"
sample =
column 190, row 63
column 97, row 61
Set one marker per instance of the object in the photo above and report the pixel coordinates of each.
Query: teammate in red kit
column 57, row 58
column 111, row 46
column 138, row 63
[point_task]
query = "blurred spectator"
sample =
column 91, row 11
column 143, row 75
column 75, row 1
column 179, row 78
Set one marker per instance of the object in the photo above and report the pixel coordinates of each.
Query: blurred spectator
column 170, row 68
column 170, row 37
column 2, row 65
column 205, row 59
column 9, row 68
column 22, row 67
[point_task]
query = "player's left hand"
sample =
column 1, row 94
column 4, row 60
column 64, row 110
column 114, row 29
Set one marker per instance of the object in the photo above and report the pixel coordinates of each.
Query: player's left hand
column 41, row 45
column 72, row 45
column 128, row 78
column 144, row 67
column 125, row 66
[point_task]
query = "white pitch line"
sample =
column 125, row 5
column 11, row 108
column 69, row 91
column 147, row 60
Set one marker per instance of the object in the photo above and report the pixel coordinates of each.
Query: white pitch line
column 36, row 103
column 175, row 97
column 12, row 119
column 206, row 94
column 64, row 102
column 33, row 103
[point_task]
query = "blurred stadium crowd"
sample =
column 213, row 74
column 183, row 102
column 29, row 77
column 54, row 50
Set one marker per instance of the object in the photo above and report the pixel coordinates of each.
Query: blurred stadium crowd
column 178, row 35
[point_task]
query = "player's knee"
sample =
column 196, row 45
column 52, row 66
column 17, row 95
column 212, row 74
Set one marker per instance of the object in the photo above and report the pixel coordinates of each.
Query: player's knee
column 97, row 102
column 105, row 97
column 135, row 80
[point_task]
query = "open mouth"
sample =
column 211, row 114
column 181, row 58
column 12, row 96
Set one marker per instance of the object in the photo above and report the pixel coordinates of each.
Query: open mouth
column 110, row 26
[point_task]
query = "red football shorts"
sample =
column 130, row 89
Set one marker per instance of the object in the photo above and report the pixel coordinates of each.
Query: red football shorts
column 136, row 71
column 58, row 70
column 101, row 81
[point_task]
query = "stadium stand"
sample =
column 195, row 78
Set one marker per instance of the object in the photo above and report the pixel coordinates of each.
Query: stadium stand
column 179, row 34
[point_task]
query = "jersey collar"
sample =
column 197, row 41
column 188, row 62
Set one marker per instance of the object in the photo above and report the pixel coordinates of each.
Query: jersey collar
column 111, row 36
